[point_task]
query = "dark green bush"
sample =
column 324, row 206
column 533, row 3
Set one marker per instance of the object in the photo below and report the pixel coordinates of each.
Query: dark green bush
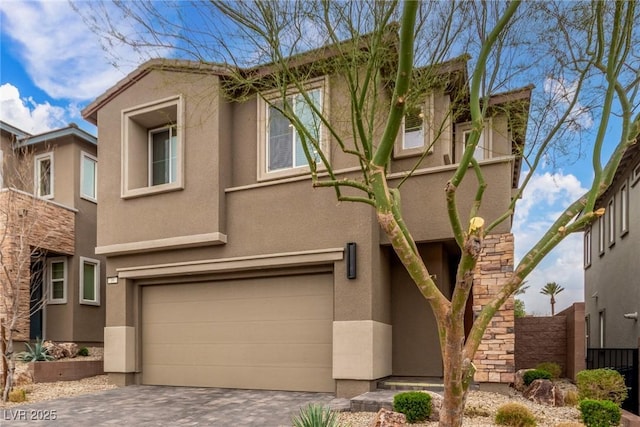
column 315, row 416
column 516, row 415
column 415, row 405
column 601, row 384
column 600, row 413
column 553, row 368
column 535, row 374
column 84, row 351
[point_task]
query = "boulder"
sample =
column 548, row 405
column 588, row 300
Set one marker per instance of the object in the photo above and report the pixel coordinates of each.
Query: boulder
column 61, row 350
column 544, row 392
column 387, row 418
column 436, row 405
column 23, row 378
column 518, row 383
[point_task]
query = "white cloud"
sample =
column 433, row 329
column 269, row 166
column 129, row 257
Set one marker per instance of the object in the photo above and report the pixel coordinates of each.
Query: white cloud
column 28, row 115
column 543, row 200
column 61, row 55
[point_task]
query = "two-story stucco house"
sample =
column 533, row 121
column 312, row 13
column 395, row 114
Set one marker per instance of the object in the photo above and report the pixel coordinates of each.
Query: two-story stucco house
column 226, row 269
column 48, row 196
column 611, row 267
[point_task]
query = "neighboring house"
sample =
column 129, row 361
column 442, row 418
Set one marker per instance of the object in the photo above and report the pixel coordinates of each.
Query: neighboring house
column 226, row 269
column 48, row 193
column 611, row 267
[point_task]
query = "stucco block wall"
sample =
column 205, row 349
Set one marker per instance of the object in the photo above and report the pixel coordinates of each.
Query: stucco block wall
column 494, row 359
column 43, row 225
column 541, row 339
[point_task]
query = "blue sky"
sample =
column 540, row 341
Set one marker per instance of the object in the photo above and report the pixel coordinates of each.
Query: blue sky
column 51, row 67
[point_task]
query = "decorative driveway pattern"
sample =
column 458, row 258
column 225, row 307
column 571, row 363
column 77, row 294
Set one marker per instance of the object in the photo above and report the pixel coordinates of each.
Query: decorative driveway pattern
column 166, row 406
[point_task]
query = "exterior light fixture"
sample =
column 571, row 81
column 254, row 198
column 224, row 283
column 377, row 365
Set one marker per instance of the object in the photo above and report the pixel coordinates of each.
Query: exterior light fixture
column 351, row 260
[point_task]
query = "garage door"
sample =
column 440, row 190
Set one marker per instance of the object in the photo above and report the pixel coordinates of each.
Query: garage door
column 270, row 333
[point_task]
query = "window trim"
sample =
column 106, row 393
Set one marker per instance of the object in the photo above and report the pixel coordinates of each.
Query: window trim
column 611, row 221
column 83, row 155
column 635, row 175
column 487, row 133
column 36, row 175
column 128, row 115
column 601, row 235
column 263, row 173
column 602, row 322
column 624, row 209
column 65, row 280
column 399, row 150
column 587, row 248
column 96, row 284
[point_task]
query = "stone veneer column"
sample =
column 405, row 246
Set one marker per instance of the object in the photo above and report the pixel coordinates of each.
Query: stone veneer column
column 494, row 359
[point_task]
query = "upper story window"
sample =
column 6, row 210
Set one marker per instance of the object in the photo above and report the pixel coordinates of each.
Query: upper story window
column 624, row 209
column 57, row 280
column 587, row 247
column 163, row 156
column 635, row 174
column 281, row 149
column 43, row 175
column 416, row 133
column 484, row 147
column 611, row 221
column 153, row 148
column 89, row 281
column 601, row 234
column 88, row 177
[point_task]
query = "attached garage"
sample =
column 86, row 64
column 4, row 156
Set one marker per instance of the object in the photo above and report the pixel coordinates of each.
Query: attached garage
column 272, row 333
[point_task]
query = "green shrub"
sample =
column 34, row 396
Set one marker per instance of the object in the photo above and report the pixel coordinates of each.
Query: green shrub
column 535, row 374
column 315, row 416
column 36, row 354
column 415, row 405
column 17, row 395
column 553, row 368
column 84, row 351
column 516, row 415
column 600, row 413
column 601, row 384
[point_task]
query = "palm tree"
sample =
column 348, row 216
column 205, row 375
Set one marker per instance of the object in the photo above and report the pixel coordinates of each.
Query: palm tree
column 552, row 289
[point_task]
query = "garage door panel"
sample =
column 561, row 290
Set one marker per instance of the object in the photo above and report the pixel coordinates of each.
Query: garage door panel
column 293, row 379
column 241, row 332
column 270, row 333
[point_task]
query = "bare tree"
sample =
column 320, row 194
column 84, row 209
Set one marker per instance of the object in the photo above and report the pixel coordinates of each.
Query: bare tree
column 21, row 257
column 584, row 54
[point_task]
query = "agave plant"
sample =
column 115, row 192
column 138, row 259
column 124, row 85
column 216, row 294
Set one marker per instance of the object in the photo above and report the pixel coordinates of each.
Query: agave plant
column 315, row 416
column 37, row 353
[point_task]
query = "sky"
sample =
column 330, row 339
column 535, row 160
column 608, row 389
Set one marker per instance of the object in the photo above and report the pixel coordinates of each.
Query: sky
column 52, row 66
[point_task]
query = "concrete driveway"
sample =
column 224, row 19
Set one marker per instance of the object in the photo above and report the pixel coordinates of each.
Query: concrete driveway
column 166, row 406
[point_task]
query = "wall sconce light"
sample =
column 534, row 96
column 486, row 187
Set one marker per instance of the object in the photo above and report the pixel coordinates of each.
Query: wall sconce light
column 351, row 260
column 632, row 316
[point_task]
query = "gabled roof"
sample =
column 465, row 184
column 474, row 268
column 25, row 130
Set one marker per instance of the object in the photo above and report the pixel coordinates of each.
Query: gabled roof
column 71, row 130
column 90, row 112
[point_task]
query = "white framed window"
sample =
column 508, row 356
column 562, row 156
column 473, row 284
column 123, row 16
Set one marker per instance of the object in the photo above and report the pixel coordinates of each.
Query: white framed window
column 89, row 281
column 635, row 175
column 416, row 133
column 601, row 235
column 624, row 209
column 601, row 326
column 611, row 221
column 163, row 155
column 484, row 148
column 281, row 148
column 88, row 177
column 587, row 247
column 57, row 280
column 153, row 148
column 43, row 175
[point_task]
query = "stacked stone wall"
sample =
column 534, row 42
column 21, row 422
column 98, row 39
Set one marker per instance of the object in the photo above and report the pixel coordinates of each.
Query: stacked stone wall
column 494, row 359
column 27, row 224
